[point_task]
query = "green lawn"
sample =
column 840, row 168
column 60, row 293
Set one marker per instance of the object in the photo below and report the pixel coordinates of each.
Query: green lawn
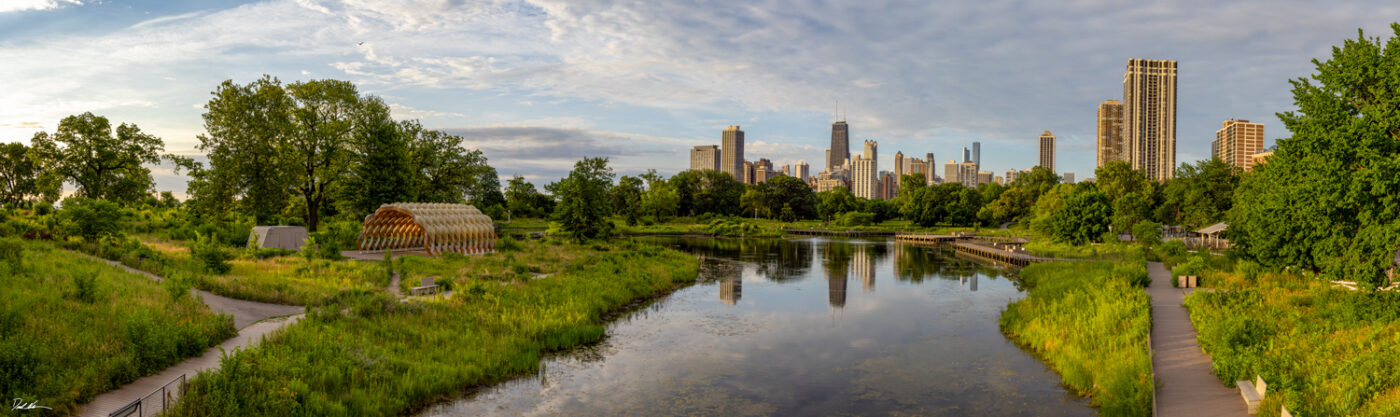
column 73, row 327
column 1090, row 323
column 364, row 354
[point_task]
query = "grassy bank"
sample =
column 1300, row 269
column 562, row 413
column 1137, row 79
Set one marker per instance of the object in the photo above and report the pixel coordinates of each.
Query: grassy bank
column 1090, row 323
column 363, row 353
column 72, row 327
column 280, row 279
column 1323, row 351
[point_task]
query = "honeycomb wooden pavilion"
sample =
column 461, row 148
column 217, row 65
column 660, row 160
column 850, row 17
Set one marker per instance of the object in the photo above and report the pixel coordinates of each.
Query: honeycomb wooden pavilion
column 432, row 227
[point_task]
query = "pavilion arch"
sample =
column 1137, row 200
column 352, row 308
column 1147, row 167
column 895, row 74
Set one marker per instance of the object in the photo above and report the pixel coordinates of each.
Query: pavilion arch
column 432, row 227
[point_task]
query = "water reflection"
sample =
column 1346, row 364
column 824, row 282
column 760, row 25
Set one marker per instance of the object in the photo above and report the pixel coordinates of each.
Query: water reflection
column 926, row 343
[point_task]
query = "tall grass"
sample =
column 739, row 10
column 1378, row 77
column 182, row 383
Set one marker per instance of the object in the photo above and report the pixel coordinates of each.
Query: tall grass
column 1323, row 351
column 1091, row 325
column 362, row 353
column 72, row 327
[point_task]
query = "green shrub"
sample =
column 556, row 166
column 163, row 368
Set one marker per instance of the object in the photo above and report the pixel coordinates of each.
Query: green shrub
column 91, row 218
column 177, row 285
column 1134, row 273
column 43, row 208
column 1173, row 248
column 1248, row 269
column 1148, row 233
column 855, row 218
column 1195, row 265
column 85, row 287
column 507, row 244
column 211, row 255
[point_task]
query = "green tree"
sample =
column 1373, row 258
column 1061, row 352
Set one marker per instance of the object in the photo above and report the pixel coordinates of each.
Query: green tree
column 947, row 203
column 1038, row 181
column 626, row 198
column 583, row 204
column 1010, row 205
column 524, row 201
column 90, row 218
column 102, row 165
column 660, row 200
column 323, row 117
column 250, row 156
column 707, row 191
column 1129, row 209
column 1083, row 218
column 379, row 172
column 1328, row 198
column 1117, row 179
column 836, row 201
column 1199, row 194
column 793, row 193
column 19, row 174
column 446, row 172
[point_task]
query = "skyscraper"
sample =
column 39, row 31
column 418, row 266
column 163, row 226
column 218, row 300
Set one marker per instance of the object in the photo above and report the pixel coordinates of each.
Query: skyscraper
column 748, row 174
column 1110, row 143
column 930, row 169
column 1047, row 151
column 704, row 157
column 803, row 171
column 967, row 155
column 1149, row 116
column 865, row 179
column 1237, row 141
column 950, row 171
column 732, row 155
column 840, row 145
column 899, row 164
column 977, row 154
column 967, row 174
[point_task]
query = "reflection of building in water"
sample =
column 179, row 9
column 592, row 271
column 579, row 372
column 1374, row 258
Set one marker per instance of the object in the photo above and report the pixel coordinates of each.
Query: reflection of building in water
column 836, row 288
column 731, row 290
column 864, row 264
column 970, row 281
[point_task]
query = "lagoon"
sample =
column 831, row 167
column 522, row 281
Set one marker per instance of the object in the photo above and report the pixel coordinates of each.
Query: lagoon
column 811, row 326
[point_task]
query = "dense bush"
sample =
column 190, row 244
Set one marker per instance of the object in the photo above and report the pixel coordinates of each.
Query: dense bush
column 855, row 218
column 211, row 254
column 90, row 218
column 1148, row 233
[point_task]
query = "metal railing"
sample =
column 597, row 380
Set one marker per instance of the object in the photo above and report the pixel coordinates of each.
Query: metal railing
column 155, row 402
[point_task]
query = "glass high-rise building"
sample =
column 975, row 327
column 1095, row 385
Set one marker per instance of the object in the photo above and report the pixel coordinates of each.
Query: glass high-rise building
column 840, row 149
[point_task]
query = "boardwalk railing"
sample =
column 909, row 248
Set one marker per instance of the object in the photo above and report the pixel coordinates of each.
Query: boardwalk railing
column 155, row 402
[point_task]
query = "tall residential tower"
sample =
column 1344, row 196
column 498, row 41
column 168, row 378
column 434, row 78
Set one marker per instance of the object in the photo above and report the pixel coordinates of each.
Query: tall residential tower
column 732, row 156
column 704, row 157
column 1237, row 141
column 1149, row 116
column 1110, row 144
column 1047, row 150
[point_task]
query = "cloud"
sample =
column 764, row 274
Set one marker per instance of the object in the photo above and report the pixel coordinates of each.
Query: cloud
column 545, row 154
column 24, row 5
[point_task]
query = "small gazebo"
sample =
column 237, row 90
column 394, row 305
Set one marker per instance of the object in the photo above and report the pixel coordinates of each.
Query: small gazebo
column 1210, row 236
column 432, row 227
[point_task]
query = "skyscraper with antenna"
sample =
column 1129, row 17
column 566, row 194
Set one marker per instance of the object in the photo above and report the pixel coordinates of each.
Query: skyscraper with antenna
column 840, row 149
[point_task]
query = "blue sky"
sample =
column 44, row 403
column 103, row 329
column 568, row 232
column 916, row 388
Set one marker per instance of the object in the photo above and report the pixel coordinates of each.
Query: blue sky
column 538, row 84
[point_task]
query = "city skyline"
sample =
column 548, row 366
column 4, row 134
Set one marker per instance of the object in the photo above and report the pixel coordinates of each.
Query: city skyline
column 523, row 80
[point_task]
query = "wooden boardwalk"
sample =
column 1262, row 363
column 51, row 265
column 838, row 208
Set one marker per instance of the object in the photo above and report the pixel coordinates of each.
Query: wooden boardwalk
column 1186, row 385
column 986, row 250
column 825, row 232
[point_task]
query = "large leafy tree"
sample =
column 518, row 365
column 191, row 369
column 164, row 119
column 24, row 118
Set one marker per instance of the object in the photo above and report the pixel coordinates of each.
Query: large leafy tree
column 250, row 155
column 836, row 201
column 1328, row 198
column 1116, row 179
column 18, row 174
column 323, row 118
column 84, row 150
column 626, row 198
column 1083, row 218
column 793, row 193
column 583, row 200
column 1199, row 194
column 949, row 203
column 380, row 172
column 707, row 191
column 444, row 171
column 524, row 201
column 1037, row 181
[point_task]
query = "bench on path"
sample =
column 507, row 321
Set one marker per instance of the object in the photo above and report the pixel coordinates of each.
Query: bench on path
column 1253, row 393
column 426, row 287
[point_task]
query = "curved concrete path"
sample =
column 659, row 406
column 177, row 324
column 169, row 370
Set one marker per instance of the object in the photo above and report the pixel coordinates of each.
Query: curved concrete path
column 253, row 319
column 1187, row 386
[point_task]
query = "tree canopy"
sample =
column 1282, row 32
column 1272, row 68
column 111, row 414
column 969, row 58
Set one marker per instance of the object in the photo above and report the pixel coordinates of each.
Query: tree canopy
column 103, row 166
column 1328, row 198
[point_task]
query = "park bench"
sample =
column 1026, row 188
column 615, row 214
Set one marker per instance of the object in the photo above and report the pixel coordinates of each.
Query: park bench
column 427, row 287
column 1253, row 393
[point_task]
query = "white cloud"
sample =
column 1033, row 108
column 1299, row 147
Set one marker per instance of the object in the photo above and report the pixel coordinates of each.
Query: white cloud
column 23, row 5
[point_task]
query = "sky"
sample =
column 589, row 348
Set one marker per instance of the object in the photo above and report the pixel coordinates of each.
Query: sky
column 539, row 84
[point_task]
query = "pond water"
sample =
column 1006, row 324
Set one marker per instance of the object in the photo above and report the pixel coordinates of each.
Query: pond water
column 813, row 326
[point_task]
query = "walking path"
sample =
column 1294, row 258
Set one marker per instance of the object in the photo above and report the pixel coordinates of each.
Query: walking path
column 253, row 319
column 1188, row 386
